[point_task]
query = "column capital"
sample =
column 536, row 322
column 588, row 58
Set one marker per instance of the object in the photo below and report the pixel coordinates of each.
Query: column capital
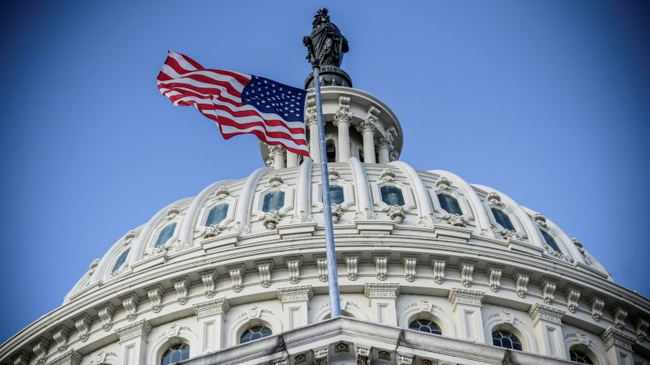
column 275, row 149
column 343, row 114
column 545, row 313
column 465, row 296
column 366, row 126
column 613, row 337
column 381, row 290
column 142, row 328
column 212, row 307
column 295, row 293
column 71, row 357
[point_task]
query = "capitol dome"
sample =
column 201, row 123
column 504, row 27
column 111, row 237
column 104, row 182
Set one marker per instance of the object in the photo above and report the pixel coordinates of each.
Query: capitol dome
column 432, row 270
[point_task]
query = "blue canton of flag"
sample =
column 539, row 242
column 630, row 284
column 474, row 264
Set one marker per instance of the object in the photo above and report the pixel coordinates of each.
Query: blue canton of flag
column 269, row 96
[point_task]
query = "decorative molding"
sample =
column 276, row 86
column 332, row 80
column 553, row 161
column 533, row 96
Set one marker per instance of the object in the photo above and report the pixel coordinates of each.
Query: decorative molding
column 320, row 356
column 293, row 266
column 343, row 114
column 362, row 355
column 404, row 359
column 572, row 297
column 620, row 315
column 40, row 349
column 212, row 307
column 503, row 317
column 539, row 219
column 466, row 271
column 264, row 268
column 71, row 357
column 465, row 296
column 521, row 281
column 580, row 337
column 494, row 276
column 545, row 313
column 381, row 266
column 130, row 304
column 337, row 213
column 352, row 266
column 182, row 287
column 295, row 294
column 381, row 290
column 22, row 358
column 438, row 267
column 410, row 264
column 321, row 264
column 155, row 294
column 142, row 328
column 105, row 313
column 454, row 219
column 82, row 324
column 548, row 291
column 271, row 219
column 396, row 214
column 209, row 279
column 613, row 337
column 597, row 309
column 173, row 332
column 60, row 336
column 641, row 328
column 494, row 199
column 100, row 358
column 443, row 183
column 387, row 175
column 236, row 278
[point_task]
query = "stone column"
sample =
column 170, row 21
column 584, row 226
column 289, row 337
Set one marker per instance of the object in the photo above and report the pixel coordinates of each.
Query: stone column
column 211, row 316
column 367, row 130
column 618, row 346
column 276, row 152
column 292, row 159
column 133, row 342
column 342, row 120
column 381, row 298
column 467, row 306
column 385, row 145
column 295, row 304
column 312, row 122
column 547, row 323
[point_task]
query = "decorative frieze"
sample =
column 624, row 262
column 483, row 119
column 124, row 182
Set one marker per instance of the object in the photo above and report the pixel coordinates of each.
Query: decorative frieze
column 641, row 328
column 71, row 357
column 295, row 293
column 293, row 266
column 352, row 266
column 466, row 272
column 597, row 308
column 409, row 268
column 438, row 267
column 209, row 280
column 620, row 315
column 130, row 304
column 521, row 281
column 105, row 313
column 494, row 276
column 572, row 297
column 363, row 355
column 212, row 307
column 465, row 296
column 60, row 336
column 141, row 328
column 381, row 266
column 236, row 278
column 381, row 290
column 613, row 337
column 264, row 269
column 404, row 359
column 182, row 288
column 320, row 356
column 545, row 313
column 155, row 294
column 82, row 324
column 321, row 264
column 40, row 349
column 548, row 291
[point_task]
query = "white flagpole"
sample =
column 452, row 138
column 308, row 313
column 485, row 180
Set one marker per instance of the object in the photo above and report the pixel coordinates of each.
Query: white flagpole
column 332, row 272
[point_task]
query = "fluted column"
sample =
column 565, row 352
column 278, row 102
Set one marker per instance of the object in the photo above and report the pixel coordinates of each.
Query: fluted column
column 292, row 159
column 385, row 145
column 211, row 317
column 277, row 154
column 312, row 122
column 367, row 129
column 342, row 120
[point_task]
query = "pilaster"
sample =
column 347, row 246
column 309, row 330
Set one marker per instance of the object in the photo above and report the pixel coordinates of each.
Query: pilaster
column 342, row 120
column 381, row 299
column 547, row 324
column 133, row 342
column 295, row 305
column 467, row 306
column 211, row 316
column 71, row 357
column 618, row 346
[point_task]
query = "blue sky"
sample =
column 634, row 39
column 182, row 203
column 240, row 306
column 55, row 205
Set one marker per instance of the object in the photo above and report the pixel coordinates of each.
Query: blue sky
column 547, row 101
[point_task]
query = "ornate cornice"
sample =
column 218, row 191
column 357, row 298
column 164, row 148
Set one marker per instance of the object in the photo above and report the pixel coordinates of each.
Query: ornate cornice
column 545, row 313
column 295, row 293
column 381, row 290
column 613, row 337
column 71, row 357
column 465, row 296
column 212, row 307
column 141, row 328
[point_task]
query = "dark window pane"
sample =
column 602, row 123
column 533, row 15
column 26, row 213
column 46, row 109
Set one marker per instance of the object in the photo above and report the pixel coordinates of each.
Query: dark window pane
column 550, row 241
column 175, row 353
column 165, row 234
column 336, row 194
column 392, row 195
column 120, row 261
column 331, row 153
column 273, row 201
column 503, row 219
column 506, row 339
column 217, row 214
column 579, row 357
column 450, row 204
column 425, row 325
column 255, row 333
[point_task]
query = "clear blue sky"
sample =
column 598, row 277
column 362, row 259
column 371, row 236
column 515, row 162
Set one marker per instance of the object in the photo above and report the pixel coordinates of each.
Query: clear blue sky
column 548, row 101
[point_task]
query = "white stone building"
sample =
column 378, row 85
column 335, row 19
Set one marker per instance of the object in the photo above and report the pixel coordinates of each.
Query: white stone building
column 432, row 270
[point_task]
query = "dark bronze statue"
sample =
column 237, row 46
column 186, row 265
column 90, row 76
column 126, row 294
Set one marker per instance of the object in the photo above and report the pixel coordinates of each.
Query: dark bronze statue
column 325, row 44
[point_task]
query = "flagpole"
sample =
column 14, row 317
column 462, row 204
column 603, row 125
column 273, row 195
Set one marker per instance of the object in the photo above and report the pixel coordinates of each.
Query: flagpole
column 332, row 272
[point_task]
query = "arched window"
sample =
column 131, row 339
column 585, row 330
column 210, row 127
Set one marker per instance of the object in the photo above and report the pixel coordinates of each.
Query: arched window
column 425, row 325
column 336, row 194
column 503, row 219
column 175, row 354
column 165, row 234
column 120, row 261
column 255, row 333
column 330, row 150
column 392, row 195
column 579, row 357
column 506, row 339
column 273, row 201
column 217, row 214
column 450, row 204
column 550, row 241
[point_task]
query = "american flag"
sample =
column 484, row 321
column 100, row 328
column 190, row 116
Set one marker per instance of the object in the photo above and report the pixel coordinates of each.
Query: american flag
column 238, row 102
